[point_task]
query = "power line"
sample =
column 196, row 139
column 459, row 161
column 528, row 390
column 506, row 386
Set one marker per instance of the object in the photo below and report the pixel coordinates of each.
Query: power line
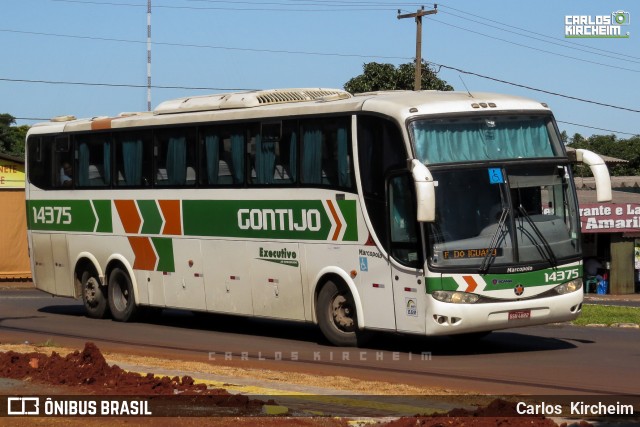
column 592, row 127
column 32, row 119
column 124, row 85
column 247, row 9
column 534, row 89
column 361, row 7
column 568, row 42
column 202, row 46
column 553, row 41
column 534, row 48
column 295, row 53
column 246, row 89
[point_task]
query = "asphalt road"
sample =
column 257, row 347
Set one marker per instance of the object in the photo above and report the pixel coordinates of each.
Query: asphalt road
column 548, row 360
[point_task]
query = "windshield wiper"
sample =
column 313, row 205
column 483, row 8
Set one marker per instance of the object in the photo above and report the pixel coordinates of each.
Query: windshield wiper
column 495, row 241
column 548, row 252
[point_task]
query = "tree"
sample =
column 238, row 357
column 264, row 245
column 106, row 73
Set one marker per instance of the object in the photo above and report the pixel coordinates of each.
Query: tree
column 610, row 145
column 12, row 137
column 378, row 76
column 564, row 137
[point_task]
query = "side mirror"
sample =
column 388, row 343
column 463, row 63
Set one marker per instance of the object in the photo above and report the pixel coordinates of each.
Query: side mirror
column 425, row 191
column 599, row 171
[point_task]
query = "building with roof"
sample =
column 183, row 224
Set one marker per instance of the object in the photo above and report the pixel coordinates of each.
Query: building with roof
column 611, row 231
column 14, row 254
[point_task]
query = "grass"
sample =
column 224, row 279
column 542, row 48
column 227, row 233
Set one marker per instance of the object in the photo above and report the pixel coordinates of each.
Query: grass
column 48, row 343
column 607, row 315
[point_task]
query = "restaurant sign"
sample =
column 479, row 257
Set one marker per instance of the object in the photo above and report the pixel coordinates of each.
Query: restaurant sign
column 11, row 174
column 610, row 217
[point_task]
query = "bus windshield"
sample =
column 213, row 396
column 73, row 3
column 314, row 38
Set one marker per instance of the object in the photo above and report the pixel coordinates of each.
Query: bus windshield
column 481, row 138
column 500, row 216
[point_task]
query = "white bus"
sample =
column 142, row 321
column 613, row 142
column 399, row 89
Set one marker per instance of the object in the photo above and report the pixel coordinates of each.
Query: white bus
column 429, row 213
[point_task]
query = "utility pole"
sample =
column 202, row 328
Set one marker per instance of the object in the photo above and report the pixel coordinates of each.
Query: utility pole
column 418, row 15
column 148, row 55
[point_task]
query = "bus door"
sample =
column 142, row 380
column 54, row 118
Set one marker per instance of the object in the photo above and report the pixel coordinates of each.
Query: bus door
column 52, row 268
column 276, row 282
column 184, row 288
column 405, row 249
column 43, row 270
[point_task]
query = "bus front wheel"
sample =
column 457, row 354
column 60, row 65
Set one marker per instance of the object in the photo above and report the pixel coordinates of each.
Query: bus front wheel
column 337, row 315
column 94, row 296
column 121, row 299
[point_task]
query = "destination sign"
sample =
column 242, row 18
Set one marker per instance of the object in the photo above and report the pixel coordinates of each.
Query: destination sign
column 471, row 253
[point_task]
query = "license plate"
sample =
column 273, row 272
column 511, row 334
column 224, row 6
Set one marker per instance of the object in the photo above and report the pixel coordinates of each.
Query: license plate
column 519, row 314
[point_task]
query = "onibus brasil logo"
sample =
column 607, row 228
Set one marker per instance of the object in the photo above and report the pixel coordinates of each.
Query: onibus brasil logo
column 597, row 26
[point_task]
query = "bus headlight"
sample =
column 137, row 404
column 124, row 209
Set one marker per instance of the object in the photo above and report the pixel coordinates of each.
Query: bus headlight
column 455, row 297
column 569, row 287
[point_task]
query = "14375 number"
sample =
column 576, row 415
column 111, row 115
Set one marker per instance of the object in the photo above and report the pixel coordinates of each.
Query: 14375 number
column 52, row 215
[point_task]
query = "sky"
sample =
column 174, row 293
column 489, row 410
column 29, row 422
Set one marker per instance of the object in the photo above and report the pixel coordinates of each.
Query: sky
column 89, row 57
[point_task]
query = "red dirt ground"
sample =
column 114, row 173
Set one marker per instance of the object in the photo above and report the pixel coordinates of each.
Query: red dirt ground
column 87, row 372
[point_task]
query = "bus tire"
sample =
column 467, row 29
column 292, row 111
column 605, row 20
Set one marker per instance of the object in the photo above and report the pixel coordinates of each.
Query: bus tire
column 337, row 315
column 121, row 299
column 94, row 296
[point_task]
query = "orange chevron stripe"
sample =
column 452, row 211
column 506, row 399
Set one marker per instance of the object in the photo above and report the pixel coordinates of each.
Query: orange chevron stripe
column 171, row 212
column 471, row 284
column 145, row 257
column 337, row 218
column 129, row 216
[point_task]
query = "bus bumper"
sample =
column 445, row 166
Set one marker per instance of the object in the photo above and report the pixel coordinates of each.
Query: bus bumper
column 449, row 319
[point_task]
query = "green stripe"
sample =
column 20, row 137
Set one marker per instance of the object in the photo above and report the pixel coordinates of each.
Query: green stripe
column 70, row 215
column 496, row 282
column 348, row 209
column 152, row 220
column 61, row 215
column 265, row 219
column 164, row 248
column 103, row 210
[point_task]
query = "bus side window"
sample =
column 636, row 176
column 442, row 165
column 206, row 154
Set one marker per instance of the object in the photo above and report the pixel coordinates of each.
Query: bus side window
column 402, row 221
column 93, row 163
column 326, row 157
column 42, row 174
column 380, row 149
column 222, row 156
column 63, row 160
column 175, row 157
column 133, row 159
column 274, row 153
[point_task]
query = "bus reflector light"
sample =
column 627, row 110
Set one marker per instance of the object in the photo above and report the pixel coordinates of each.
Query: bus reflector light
column 378, row 285
column 353, row 274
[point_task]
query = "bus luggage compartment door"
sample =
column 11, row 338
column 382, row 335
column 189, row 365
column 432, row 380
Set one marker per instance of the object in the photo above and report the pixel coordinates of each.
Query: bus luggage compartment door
column 276, row 284
column 185, row 287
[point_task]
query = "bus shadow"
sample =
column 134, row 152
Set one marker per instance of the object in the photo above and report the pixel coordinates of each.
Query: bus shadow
column 228, row 323
column 499, row 342
column 67, row 310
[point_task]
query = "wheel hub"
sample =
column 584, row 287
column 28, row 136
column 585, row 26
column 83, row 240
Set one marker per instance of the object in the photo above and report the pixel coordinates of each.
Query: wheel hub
column 90, row 291
column 342, row 313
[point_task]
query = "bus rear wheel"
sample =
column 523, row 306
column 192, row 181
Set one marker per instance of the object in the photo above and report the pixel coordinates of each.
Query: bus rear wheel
column 94, row 296
column 121, row 299
column 337, row 315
